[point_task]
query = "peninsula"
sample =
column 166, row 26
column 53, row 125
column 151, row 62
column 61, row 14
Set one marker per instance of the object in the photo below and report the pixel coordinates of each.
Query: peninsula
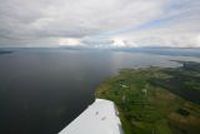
column 156, row 100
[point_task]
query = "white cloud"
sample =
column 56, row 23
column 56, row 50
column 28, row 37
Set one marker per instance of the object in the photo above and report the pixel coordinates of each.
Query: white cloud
column 69, row 42
column 97, row 22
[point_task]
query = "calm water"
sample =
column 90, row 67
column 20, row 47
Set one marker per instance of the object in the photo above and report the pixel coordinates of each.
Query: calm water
column 42, row 90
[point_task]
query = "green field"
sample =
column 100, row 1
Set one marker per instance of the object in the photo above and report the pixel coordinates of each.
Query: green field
column 150, row 100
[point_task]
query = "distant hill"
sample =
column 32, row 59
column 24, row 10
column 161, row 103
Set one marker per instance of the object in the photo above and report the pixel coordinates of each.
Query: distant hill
column 195, row 52
column 5, row 52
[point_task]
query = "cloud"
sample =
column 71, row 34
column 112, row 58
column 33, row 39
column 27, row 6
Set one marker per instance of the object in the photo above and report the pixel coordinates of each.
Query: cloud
column 100, row 23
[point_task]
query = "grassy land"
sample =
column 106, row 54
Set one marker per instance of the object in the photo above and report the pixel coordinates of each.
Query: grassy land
column 147, row 105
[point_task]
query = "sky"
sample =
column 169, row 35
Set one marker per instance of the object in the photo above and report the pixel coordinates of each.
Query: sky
column 100, row 23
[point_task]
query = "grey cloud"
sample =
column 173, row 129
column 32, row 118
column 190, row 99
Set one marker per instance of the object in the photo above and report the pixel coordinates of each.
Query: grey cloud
column 34, row 19
column 39, row 22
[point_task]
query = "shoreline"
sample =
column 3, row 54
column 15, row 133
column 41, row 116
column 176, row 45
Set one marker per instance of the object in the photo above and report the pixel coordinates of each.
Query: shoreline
column 136, row 93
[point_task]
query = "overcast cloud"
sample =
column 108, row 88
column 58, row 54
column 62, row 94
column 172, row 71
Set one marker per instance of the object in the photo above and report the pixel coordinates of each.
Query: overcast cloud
column 100, row 23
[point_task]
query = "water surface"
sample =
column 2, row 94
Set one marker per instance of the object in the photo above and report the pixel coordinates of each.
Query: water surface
column 43, row 90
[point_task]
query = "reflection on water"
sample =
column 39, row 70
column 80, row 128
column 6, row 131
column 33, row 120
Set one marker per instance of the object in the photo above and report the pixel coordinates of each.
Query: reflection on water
column 41, row 91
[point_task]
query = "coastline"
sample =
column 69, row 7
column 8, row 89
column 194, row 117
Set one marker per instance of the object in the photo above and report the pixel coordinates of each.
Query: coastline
column 147, row 104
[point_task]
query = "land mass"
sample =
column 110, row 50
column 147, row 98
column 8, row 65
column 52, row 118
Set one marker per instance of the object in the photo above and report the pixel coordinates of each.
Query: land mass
column 5, row 52
column 156, row 100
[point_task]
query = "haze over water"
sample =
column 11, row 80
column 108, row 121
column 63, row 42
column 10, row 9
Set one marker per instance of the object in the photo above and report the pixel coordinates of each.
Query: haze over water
column 42, row 90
